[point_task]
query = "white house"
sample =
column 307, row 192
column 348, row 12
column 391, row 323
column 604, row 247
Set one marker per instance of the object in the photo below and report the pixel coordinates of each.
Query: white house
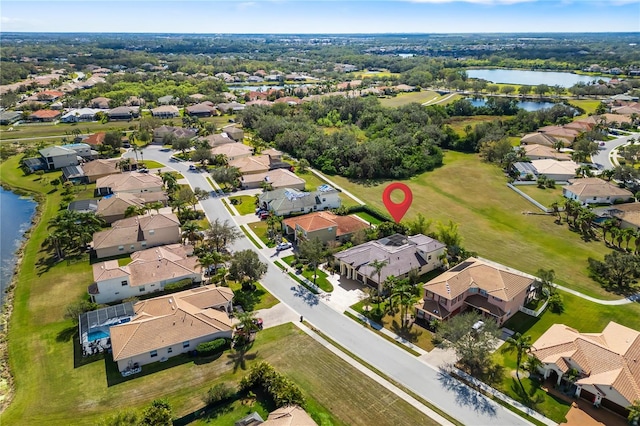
column 595, row 191
column 149, row 271
column 287, row 201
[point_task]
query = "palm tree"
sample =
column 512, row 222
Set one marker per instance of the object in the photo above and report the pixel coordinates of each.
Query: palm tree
column 377, row 266
column 169, row 180
column 404, row 294
column 247, row 324
column 157, row 205
column 628, row 234
column 134, row 148
column 313, row 252
column 520, row 344
column 124, row 164
column 191, row 231
column 607, row 225
column 135, row 211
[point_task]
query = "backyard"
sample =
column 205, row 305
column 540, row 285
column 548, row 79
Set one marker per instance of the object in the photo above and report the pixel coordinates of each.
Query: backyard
column 474, row 194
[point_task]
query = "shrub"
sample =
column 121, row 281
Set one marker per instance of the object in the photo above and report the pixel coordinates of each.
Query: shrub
column 178, row 285
column 282, row 390
column 212, row 347
column 219, row 392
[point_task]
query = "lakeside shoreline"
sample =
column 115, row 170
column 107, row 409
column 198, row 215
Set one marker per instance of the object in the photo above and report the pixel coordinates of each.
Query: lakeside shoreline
column 7, row 390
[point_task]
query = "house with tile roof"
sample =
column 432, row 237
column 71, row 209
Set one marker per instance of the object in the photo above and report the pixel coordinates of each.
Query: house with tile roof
column 113, row 208
column 78, row 115
column 232, row 151
column 402, row 255
column 123, row 113
column 44, row 115
column 148, row 272
column 607, row 363
column 99, row 168
column 179, row 132
column 325, row 226
column 595, row 191
column 289, row 415
column 166, row 326
column 560, row 171
column 165, row 111
column 278, row 178
column 491, row 289
column 235, row 133
column 540, row 152
column 627, row 215
column 137, row 233
column 252, row 164
column 288, row 201
column 537, row 138
column 100, row 102
column 560, row 132
column 132, row 182
column 203, row 109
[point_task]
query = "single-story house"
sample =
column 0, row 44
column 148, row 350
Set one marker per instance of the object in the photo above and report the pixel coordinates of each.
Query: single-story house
column 595, row 191
column 132, row 182
column 100, row 102
column 274, row 154
column 167, row 99
column 137, row 233
column 234, row 133
column 627, row 215
column 95, row 139
column 560, row 132
column 178, row 132
column 400, row 253
column 615, row 119
column 559, row 171
column 289, row 415
column 218, row 139
column 491, row 289
column 123, row 113
column 134, row 101
column 607, row 363
column 252, row 164
column 166, row 111
column 230, row 107
column 288, row 201
column 99, row 168
column 148, row 272
column 232, row 151
column 170, row 325
column 537, row 138
column 78, row 115
column 278, row 178
column 10, row 117
column 540, row 152
column 113, row 207
column 325, row 226
column 204, row 109
column 45, row 115
column 74, row 174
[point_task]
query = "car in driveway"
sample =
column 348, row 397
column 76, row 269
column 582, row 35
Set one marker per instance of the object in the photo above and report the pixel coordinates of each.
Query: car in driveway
column 283, row 246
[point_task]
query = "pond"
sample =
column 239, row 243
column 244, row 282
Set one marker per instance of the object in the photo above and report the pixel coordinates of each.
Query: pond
column 532, row 78
column 525, row 105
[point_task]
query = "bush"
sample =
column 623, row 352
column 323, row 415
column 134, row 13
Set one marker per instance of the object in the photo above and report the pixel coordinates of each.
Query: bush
column 219, row 392
column 556, row 303
column 212, row 347
column 282, row 390
column 178, row 285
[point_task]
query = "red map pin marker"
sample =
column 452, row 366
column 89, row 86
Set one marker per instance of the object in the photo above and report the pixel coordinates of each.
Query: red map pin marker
column 397, row 210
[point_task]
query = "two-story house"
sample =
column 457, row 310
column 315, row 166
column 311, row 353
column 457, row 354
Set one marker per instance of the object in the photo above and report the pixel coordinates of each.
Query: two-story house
column 474, row 284
column 137, row 233
column 399, row 253
column 325, row 226
column 148, row 272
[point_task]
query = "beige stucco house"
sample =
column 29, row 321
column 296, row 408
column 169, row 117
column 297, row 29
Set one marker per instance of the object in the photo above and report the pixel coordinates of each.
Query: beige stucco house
column 132, row 182
column 137, row 233
column 277, row 178
column 595, row 191
column 401, row 254
column 325, row 226
column 148, row 272
column 97, row 169
column 232, row 151
column 170, row 325
column 608, row 363
column 477, row 285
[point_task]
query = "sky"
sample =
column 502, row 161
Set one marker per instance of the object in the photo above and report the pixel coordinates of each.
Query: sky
column 327, row 16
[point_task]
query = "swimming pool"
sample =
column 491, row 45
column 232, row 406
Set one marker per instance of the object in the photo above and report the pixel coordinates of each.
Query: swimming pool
column 97, row 335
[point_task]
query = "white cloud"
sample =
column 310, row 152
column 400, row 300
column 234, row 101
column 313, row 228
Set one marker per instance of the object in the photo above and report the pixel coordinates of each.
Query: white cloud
column 245, row 5
column 486, row 2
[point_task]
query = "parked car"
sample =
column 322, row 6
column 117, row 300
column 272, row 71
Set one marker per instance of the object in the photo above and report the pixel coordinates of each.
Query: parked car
column 263, row 215
column 283, row 246
column 192, row 168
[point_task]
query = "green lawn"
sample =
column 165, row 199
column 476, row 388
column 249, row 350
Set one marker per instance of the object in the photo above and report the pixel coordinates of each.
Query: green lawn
column 313, row 182
column 61, row 129
column 415, row 334
column 366, row 216
column 545, row 196
column 459, row 123
column 588, row 105
column 474, row 195
column 321, row 281
column 407, row 98
column 259, row 298
column 153, row 164
column 246, row 204
column 260, row 228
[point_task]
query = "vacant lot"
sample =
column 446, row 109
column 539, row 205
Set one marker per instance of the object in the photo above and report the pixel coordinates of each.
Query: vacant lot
column 545, row 196
column 474, row 194
column 407, row 98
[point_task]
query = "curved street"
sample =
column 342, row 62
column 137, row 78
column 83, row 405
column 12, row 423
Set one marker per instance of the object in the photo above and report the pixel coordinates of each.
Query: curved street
column 458, row 400
column 604, row 156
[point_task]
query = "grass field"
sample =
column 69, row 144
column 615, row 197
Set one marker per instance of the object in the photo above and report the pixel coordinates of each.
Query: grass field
column 246, row 204
column 407, row 98
column 545, row 196
column 588, row 105
column 474, row 194
column 313, row 182
column 459, row 123
column 155, row 165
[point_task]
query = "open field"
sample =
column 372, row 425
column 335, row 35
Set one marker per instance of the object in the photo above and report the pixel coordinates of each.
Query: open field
column 474, row 194
column 459, row 123
column 313, row 182
column 407, row 98
column 588, row 105
column 545, row 196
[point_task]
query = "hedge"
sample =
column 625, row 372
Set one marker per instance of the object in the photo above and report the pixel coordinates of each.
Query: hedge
column 178, row 285
column 212, row 347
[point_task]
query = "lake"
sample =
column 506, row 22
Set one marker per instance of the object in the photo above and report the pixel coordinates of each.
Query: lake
column 15, row 218
column 525, row 105
column 533, row 78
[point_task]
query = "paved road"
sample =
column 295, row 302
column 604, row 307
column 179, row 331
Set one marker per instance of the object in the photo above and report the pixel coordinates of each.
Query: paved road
column 603, row 157
column 458, row 400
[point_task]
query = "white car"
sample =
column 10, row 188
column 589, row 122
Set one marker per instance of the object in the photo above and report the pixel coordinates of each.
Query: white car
column 283, row 246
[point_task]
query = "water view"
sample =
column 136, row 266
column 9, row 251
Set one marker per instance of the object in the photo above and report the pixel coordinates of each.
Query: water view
column 533, row 78
column 526, row 105
column 15, row 218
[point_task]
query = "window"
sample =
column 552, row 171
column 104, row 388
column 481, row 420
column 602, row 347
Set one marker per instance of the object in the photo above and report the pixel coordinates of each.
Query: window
column 133, row 247
column 169, row 350
column 429, row 258
column 152, row 231
column 153, row 354
column 473, row 290
column 143, row 244
column 483, row 292
column 141, row 289
column 185, row 344
column 120, row 248
column 123, row 283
